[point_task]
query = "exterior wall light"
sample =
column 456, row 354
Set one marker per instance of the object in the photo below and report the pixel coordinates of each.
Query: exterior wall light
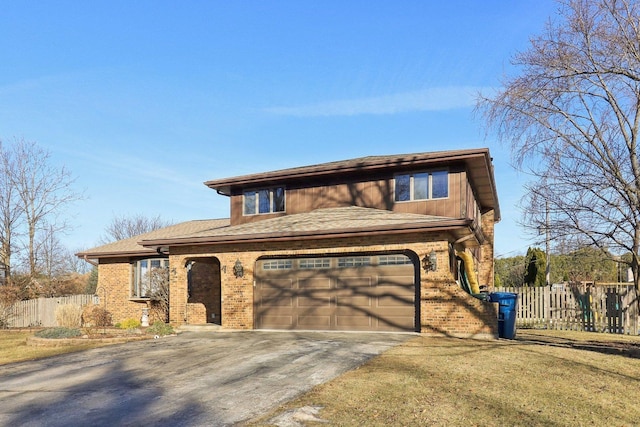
column 238, row 269
column 430, row 262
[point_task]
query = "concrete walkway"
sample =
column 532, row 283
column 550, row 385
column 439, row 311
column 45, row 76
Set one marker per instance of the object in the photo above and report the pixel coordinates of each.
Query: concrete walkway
column 194, row 379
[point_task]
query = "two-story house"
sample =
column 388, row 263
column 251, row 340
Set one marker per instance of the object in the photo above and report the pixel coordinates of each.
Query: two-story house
column 367, row 244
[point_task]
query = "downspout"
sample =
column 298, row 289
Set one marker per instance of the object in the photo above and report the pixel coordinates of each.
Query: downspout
column 95, row 264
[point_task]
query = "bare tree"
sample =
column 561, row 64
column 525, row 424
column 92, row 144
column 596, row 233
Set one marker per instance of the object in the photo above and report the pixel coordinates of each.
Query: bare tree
column 159, row 293
column 572, row 118
column 9, row 295
column 122, row 227
column 50, row 254
column 11, row 209
column 44, row 191
column 72, row 263
column 509, row 272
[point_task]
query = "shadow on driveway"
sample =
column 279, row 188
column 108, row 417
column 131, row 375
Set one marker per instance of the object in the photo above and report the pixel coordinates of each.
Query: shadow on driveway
column 194, row 379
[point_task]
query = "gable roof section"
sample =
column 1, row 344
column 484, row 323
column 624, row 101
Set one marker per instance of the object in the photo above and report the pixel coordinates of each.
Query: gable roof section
column 131, row 246
column 478, row 164
column 321, row 223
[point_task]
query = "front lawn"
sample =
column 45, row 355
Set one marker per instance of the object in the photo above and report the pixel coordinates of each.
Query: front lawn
column 542, row 378
column 14, row 348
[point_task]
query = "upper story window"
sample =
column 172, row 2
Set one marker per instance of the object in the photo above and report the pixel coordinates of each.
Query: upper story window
column 422, row 186
column 150, row 277
column 265, row 200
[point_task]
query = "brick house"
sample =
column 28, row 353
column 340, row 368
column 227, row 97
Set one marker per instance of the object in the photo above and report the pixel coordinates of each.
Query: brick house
column 367, row 244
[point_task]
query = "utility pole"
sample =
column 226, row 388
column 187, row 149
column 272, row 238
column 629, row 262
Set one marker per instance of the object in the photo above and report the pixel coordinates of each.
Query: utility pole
column 547, row 239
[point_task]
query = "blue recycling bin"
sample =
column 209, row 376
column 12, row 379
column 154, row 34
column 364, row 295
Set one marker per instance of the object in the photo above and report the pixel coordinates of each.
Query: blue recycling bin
column 507, row 310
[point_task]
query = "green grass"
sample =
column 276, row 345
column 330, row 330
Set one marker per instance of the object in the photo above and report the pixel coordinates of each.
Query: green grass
column 542, row 378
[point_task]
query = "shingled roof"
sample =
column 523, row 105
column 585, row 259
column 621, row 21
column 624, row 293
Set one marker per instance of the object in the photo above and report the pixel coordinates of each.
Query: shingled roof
column 131, row 246
column 321, row 223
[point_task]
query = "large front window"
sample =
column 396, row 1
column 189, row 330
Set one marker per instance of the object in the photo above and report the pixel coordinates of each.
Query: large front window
column 266, row 200
column 422, row 186
column 150, row 278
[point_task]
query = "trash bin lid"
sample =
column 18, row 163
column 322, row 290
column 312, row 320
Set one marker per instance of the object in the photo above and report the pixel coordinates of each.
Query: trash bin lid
column 502, row 296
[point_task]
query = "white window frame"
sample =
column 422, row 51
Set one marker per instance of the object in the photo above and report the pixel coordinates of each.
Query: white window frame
column 139, row 289
column 412, row 186
column 255, row 192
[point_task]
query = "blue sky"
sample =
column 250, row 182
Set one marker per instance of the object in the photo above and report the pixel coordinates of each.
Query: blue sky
column 144, row 101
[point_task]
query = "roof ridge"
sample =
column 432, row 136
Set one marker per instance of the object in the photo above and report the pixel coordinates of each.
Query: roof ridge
column 347, row 163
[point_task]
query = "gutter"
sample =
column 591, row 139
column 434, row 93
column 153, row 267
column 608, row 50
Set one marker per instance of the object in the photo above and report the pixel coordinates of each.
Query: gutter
column 86, row 258
column 306, row 235
column 143, row 252
column 328, row 169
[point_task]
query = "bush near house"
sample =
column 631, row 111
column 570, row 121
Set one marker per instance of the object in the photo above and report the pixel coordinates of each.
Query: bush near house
column 160, row 328
column 96, row 316
column 60, row 332
column 69, row 316
column 129, row 324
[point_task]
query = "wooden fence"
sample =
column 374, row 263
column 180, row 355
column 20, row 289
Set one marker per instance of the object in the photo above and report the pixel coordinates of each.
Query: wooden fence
column 608, row 308
column 42, row 311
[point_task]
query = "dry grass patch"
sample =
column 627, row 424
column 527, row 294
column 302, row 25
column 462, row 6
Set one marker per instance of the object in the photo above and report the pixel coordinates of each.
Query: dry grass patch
column 14, row 348
column 543, row 378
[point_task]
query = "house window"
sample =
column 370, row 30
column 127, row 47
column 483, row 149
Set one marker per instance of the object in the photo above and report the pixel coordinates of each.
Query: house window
column 150, row 277
column 277, row 264
column 355, row 261
column 394, row 260
column 439, row 184
column 422, row 186
column 314, row 263
column 266, row 200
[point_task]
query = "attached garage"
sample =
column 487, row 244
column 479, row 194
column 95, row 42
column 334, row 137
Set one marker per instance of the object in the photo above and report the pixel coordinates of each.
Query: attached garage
column 354, row 293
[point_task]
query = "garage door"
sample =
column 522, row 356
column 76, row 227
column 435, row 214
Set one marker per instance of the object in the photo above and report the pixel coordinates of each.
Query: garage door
column 359, row 293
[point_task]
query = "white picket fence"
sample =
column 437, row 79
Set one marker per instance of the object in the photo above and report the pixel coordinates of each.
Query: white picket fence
column 42, row 311
column 611, row 308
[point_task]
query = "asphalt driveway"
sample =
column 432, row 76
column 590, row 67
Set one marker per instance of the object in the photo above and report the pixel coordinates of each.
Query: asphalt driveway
column 194, row 379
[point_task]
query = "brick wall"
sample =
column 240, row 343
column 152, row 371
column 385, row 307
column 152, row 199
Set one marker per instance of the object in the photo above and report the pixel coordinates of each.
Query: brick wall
column 114, row 287
column 444, row 308
column 204, row 288
column 486, row 253
column 196, row 314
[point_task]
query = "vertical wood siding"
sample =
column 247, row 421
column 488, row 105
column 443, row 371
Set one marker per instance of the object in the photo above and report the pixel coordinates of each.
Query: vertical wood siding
column 375, row 193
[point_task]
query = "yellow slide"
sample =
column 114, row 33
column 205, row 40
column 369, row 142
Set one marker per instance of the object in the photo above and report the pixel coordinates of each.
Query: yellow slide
column 469, row 272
